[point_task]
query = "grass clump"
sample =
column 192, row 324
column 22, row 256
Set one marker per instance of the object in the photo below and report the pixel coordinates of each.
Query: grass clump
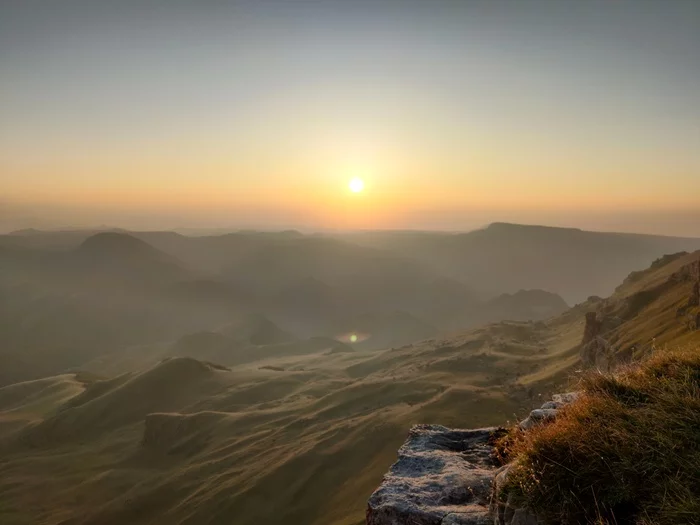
column 626, row 452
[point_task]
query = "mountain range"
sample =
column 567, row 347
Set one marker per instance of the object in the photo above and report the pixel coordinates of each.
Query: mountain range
column 149, row 377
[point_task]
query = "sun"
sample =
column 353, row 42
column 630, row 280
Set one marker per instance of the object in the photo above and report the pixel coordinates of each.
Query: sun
column 356, row 185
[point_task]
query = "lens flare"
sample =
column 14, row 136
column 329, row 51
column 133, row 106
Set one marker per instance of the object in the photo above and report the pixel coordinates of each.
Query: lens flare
column 352, row 337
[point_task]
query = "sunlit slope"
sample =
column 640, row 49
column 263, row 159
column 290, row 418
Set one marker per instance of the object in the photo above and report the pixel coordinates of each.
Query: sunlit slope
column 290, row 439
column 24, row 403
column 652, row 309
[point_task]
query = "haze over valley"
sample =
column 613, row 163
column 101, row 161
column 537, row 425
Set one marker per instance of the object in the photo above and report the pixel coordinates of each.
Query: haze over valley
column 193, row 378
column 69, row 297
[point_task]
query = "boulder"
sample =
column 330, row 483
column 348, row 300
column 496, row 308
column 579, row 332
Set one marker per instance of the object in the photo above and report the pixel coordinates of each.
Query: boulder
column 566, row 398
column 537, row 417
column 548, row 411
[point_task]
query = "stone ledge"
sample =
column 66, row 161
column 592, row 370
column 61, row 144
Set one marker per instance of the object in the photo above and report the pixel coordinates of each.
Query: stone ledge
column 442, row 477
column 448, row 477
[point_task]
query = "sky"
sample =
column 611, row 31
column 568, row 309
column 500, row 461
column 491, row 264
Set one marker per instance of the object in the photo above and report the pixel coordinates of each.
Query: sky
column 212, row 113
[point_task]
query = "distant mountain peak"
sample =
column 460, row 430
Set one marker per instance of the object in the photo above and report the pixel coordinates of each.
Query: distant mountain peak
column 511, row 226
column 25, row 231
column 114, row 244
column 119, row 254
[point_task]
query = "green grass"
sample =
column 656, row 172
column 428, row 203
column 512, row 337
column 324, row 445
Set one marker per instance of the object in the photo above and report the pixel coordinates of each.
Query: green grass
column 627, row 452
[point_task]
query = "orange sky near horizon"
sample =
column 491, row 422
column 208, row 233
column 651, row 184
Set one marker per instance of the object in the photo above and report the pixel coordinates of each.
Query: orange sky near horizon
column 261, row 114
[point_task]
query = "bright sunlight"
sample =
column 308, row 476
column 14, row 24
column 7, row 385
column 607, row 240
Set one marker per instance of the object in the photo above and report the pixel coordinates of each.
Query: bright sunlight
column 356, row 185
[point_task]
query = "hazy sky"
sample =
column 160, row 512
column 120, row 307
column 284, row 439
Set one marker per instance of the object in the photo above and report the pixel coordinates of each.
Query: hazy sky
column 455, row 113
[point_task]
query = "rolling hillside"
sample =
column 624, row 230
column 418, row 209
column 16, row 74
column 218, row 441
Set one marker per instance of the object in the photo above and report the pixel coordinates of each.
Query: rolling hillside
column 188, row 442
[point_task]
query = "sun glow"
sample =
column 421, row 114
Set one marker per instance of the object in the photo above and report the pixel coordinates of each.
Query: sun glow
column 356, row 185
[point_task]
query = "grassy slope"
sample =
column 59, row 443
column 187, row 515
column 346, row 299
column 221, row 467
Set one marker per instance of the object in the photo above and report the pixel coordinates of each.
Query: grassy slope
column 627, row 452
column 647, row 303
column 303, row 445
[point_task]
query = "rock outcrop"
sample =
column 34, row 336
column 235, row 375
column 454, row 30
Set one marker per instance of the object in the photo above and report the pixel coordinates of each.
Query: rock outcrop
column 592, row 328
column 442, row 477
column 548, row 411
column 694, row 299
column 595, row 350
column 694, row 322
column 503, row 509
column 450, row 477
column 688, row 272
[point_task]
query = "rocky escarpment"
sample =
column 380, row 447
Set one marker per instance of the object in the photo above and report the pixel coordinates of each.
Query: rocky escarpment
column 451, row 477
column 649, row 303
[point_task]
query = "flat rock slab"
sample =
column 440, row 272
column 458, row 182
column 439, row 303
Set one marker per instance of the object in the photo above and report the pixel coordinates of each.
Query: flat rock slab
column 442, row 477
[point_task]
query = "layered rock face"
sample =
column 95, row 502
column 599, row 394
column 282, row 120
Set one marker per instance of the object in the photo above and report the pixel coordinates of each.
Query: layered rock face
column 449, row 477
column 442, row 477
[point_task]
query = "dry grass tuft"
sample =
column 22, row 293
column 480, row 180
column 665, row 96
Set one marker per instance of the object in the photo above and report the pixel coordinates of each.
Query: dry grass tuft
column 627, row 452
